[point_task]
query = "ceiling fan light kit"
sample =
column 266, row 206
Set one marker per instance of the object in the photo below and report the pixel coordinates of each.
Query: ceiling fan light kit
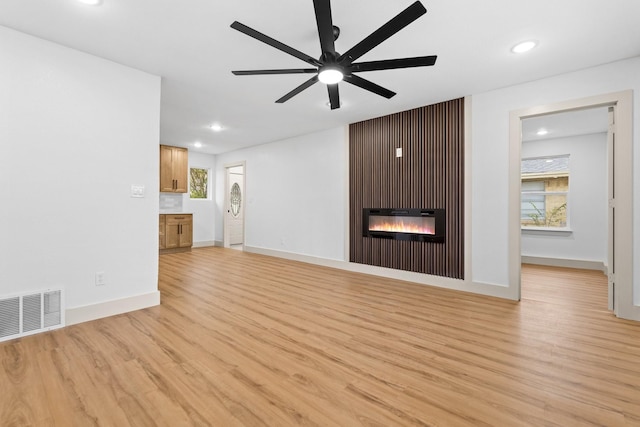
column 332, row 67
column 330, row 75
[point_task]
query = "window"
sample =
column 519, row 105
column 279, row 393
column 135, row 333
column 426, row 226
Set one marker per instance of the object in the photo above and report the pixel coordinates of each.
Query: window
column 198, row 183
column 545, row 190
column 532, row 199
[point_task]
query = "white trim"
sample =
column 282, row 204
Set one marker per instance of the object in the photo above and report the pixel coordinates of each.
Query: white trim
column 514, row 203
column 407, row 276
column 111, row 308
column 623, row 178
column 204, row 244
column 550, row 231
column 561, row 262
column 468, row 190
column 623, row 101
column 347, row 196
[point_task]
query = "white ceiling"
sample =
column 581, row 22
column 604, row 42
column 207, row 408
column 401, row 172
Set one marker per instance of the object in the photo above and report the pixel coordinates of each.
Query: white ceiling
column 570, row 123
column 190, row 44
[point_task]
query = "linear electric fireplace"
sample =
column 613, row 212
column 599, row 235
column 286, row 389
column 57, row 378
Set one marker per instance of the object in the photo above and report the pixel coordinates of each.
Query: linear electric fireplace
column 421, row 225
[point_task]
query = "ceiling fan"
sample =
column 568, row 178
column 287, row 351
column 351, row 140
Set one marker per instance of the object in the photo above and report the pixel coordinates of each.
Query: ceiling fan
column 333, row 67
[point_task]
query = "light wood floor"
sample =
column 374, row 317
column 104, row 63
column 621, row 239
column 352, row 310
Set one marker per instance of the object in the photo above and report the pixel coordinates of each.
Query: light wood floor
column 248, row 340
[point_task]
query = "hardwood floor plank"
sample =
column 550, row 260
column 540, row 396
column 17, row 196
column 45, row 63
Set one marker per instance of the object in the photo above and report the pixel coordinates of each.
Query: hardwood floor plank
column 248, row 340
column 22, row 377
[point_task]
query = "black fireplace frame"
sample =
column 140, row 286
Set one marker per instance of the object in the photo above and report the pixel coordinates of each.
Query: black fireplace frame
column 438, row 214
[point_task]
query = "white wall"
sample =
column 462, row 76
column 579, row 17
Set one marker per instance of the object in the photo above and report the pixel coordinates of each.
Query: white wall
column 490, row 150
column 306, row 174
column 76, row 132
column 272, row 213
column 295, row 191
column 587, row 200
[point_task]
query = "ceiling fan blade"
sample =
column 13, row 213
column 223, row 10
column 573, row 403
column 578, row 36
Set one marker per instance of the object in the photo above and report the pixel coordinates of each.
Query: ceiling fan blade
column 400, row 21
column 275, row 43
column 389, row 64
column 325, row 25
column 367, row 85
column 313, row 80
column 334, row 96
column 283, row 71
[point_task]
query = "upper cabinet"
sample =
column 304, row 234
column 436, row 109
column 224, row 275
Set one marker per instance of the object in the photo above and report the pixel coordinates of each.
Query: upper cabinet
column 173, row 169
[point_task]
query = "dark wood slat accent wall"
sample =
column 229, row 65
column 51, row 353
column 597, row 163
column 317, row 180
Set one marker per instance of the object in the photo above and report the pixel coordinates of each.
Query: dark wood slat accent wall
column 429, row 175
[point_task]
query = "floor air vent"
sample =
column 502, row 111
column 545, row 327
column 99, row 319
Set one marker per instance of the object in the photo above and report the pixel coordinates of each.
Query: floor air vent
column 30, row 313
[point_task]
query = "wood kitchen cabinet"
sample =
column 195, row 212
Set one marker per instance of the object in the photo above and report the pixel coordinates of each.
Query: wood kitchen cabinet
column 173, row 169
column 177, row 234
column 163, row 223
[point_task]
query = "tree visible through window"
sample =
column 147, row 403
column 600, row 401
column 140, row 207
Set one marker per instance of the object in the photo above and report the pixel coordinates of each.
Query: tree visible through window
column 198, row 183
column 545, row 190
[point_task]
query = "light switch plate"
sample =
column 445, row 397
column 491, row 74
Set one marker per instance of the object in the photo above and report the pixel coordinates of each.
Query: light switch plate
column 399, row 152
column 137, row 191
column 100, row 278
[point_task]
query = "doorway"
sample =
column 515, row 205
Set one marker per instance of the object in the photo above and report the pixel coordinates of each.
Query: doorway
column 234, row 235
column 564, row 195
column 619, row 146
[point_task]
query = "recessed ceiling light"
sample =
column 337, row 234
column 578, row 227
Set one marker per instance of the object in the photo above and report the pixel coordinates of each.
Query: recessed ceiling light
column 197, row 144
column 524, row 46
column 91, row 2
column 542, row 132
column 216, row 127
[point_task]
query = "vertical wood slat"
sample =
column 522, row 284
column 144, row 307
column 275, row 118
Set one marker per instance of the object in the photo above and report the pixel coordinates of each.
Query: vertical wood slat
column 429, row 175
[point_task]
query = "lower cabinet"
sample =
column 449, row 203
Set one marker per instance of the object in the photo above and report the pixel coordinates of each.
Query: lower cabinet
column 177, row 233
column 163, row 222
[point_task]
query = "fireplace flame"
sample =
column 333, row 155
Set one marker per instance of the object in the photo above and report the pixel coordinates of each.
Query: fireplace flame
column 400, row 226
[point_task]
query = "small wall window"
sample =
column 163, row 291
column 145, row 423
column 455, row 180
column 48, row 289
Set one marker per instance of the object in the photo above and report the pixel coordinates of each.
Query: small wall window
column 198, row 183
column 544, row 201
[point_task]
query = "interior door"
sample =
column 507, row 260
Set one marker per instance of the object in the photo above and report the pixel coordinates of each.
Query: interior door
column 611, row 266
column 234, row 216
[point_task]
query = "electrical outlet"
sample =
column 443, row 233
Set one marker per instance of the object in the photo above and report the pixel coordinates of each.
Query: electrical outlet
column 100, row 278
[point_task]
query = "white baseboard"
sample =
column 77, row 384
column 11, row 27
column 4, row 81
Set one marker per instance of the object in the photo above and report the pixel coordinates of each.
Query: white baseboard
column 111, row 308
column 466, row 285
column 569, row 263
column 204, row 244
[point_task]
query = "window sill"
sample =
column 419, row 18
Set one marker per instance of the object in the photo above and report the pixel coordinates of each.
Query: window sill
column 550, row 231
